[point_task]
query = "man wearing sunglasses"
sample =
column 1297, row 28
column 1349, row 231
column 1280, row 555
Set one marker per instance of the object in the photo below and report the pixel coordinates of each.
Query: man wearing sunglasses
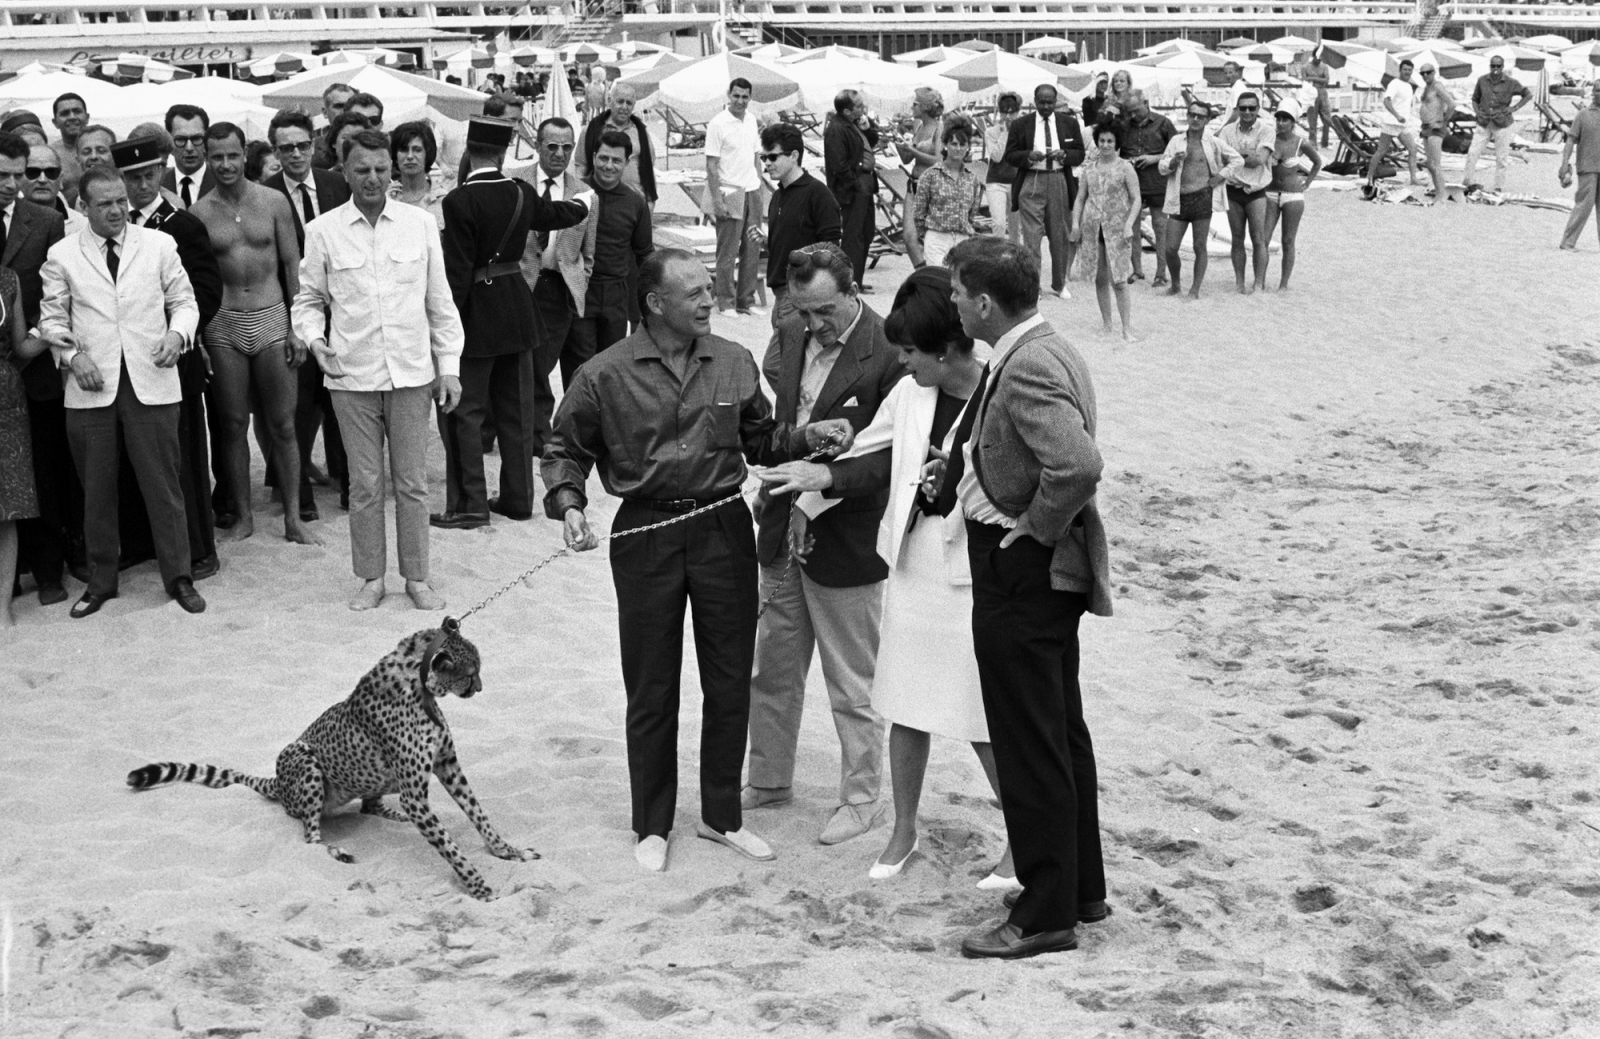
column 802, row 212
column 311, row 192
column 42, row 186
column 1497, row 123
column 1247, row 185
column 27, row 231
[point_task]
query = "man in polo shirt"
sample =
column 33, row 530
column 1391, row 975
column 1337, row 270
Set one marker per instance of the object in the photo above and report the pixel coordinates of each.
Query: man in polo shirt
column 733, row 194
column 1497, row 122
column 802, row 211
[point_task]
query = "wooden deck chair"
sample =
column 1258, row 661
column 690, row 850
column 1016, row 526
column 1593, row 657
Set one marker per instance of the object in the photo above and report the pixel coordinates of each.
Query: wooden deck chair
column 689, row 135
column 1356, row 146
column 802, row 118
column 1552, row 125
column 889, row 236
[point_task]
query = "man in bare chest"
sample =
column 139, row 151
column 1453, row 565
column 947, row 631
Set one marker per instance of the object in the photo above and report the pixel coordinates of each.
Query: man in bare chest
column 250, row 342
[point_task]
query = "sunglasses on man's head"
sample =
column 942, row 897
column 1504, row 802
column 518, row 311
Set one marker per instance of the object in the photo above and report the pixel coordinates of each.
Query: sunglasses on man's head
column 46, row 172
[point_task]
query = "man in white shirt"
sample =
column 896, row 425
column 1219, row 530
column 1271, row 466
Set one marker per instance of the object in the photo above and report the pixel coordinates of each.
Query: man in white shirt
column 118, row 309
column 376, row 311
column 733, row 194
column 1394, row 122
column 189, row 178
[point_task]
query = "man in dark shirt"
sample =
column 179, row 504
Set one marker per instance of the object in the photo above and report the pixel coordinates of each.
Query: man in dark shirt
column 622, row 240
column 1143, row 143
column 670, row 415
column 802, row 211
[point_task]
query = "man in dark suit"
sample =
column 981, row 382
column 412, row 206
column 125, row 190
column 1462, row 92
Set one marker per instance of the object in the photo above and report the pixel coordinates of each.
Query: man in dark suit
column 311, row 192
column 851, row 171
column 1038, row 555
column 187, row 126
column 827, row 360
column 27, row 231
column 139, row 160
column 1043, row 146
column 486, row 225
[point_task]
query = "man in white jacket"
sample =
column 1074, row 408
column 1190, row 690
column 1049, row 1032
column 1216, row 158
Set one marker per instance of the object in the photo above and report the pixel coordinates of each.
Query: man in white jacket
column 118, row 310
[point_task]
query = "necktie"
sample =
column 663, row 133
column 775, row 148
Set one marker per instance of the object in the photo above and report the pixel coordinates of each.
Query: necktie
column 112, row 263
column 958, row 462
column 135, row 218
column 305, row 204
column 4, row 217
column 544, row 236
column 1049, row 144
column 188, row 199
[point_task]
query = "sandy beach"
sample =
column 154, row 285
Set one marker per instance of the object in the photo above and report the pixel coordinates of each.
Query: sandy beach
column 1345, row 719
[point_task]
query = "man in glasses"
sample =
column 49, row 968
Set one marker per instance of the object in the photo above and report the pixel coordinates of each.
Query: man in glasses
column 802, row 211
column 1251, row 137
column 27, row 231
column 1394, row 123
column 43, row 185
column 187, row 126
column 1497, row 123
column 311, row 192
column 1196, row 166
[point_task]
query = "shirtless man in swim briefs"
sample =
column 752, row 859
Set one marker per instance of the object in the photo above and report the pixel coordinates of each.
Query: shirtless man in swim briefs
column 1200, row 162
column 250, row 341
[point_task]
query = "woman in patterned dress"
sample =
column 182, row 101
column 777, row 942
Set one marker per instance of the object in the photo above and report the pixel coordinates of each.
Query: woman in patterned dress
column 1103, row 224
column 17, row 497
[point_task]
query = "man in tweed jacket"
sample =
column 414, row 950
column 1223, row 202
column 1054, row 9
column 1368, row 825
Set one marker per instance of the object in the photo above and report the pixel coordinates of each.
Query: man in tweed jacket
column 1038, row 556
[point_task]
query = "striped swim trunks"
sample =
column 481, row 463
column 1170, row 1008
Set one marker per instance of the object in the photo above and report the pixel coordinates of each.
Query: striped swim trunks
column 249, row 331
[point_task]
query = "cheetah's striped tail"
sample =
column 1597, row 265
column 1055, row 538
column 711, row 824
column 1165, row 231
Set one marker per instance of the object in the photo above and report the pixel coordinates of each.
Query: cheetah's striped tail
column 206, row 775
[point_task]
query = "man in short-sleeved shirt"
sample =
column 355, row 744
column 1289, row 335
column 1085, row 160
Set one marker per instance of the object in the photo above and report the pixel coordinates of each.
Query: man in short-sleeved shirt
column 1497, row 122
column 1584, row 139
column 733, row 195
column 1394, row 123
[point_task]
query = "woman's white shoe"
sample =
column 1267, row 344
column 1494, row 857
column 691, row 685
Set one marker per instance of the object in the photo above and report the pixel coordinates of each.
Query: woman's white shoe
column 885, row 870
column 995, row 882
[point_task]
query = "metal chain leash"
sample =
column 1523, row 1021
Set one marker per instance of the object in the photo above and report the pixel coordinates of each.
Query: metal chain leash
column 455, row 622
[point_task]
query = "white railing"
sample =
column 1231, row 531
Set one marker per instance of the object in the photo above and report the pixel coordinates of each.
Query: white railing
column 1575, row 16
column 1131, row 14
column 27, row 16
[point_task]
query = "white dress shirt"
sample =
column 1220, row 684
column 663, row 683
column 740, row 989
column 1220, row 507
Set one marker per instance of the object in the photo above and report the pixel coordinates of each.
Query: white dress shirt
column 1045, row 139
column 7, row 211
column 974, row 502
column 299, row 190
column 393, row 322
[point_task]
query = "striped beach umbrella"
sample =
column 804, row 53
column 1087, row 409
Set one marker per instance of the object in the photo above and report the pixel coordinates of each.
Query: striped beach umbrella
column 1583, row 55
column 1525, row 58
column 1449, row 64
column 531, row 55
column 977, row 45
column 829, row 53
column 1337, row 55
column 586, row 53
column 932, row 55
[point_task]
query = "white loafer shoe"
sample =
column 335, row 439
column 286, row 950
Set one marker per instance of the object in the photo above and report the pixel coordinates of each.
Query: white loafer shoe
column 995, row 882
column 741, row 840
column 651, row 853
column 885, row 870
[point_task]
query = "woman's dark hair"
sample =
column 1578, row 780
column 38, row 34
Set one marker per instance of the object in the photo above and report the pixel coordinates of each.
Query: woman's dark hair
column 923, row 315
column 402, row 137
column 255, row 157
column 1102, row 129
column 956, row 131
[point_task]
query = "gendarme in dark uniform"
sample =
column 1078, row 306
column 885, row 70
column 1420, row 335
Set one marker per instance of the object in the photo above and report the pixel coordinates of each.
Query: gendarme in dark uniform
column 669, row 416
column 486, row 225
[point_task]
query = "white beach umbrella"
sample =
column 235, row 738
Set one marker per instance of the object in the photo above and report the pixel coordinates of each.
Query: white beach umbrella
column 645, row 62
column 1525, row 58
column 767, row 51
column 557, row 101
column 1168, row 46
column 1046, row 45
column 698, row 90
column 887, row 87
column 835, row 52
column 1548, row 42
column 931, row 55
column 140, row 68
column 1582, row 59
column 586, row 53
column 1159, row 87
column 630, row 49
column 28, row 90
column 983, row 77
column 221, row 98
column 1449, row 64
column 1201, row 66
column 1298, row 44
column 1263, row 53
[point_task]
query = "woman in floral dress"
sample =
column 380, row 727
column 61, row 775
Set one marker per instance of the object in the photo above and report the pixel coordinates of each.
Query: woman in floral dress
column 1103, row 223
column 17, row 497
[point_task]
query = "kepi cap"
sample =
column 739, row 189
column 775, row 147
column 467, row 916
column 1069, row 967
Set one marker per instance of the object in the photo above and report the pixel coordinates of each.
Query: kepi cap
column 136, row 152
column 493, row 133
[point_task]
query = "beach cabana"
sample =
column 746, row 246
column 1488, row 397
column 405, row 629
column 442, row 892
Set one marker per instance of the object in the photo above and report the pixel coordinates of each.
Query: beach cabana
column 698, row 89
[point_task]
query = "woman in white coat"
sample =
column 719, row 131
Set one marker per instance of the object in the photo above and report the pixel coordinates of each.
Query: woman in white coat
column 927, row 675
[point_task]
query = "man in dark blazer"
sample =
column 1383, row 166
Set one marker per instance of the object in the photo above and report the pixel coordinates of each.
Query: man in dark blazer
column 828, row 359
column 139, row 160
column 1038, row 555
column 187, row 126
column 848, row 143
column 486, row 225
column 1044, row 146
column 29, row 232
column 311, row 192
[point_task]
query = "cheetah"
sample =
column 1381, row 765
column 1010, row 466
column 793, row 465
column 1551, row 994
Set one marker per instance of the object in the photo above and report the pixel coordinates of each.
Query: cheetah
column 383, row 739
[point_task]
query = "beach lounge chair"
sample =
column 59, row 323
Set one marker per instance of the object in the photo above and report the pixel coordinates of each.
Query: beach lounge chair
column 689, row 135
column 893, row 182
column 1356, row 146
column 1551, row 124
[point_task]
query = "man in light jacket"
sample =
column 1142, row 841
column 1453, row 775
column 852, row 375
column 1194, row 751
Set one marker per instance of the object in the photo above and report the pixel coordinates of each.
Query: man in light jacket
column 118, row 310
column 1196, row 166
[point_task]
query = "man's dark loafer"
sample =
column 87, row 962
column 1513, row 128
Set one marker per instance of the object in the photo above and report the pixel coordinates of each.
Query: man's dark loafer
column 188, row 598
column 224, row 520
column 204, row 567
column 90, row 603
column 495, row 507
column 1007, row 943
column 459, row 520
column 1088, row 912
column 308, row 514
column 50, row 594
